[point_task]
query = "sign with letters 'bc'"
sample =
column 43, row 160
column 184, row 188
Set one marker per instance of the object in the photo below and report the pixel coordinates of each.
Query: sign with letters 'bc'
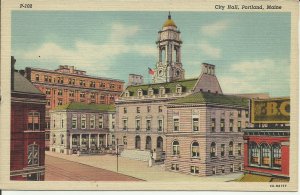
column 274, row 110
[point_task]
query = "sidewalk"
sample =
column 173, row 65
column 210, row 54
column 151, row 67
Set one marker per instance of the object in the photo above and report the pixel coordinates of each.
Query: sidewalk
column 140, row 169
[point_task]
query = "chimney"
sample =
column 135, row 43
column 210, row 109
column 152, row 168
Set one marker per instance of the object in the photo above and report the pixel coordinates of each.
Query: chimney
column 12, row 71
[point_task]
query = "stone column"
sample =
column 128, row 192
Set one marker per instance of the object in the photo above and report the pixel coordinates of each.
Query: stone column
column 106, row 140
column 98, row 141
column 71, row 137
column 80, row 139
column 89, row 140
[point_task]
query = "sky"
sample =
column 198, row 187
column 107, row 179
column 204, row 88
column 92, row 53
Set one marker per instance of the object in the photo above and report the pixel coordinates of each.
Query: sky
column 251, row 51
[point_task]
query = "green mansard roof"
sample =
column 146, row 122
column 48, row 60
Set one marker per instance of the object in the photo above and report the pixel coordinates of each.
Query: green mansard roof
column 170, row 87
column 213, row 98
column 83, row 106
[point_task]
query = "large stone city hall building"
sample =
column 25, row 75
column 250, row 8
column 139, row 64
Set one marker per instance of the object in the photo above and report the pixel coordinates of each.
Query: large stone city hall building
column 188, row 123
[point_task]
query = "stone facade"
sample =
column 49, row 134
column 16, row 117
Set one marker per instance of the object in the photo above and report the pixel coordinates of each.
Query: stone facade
column 199, row 129
column 75, row 129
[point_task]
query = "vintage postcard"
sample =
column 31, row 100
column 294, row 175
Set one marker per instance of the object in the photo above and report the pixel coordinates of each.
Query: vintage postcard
column 149, row 95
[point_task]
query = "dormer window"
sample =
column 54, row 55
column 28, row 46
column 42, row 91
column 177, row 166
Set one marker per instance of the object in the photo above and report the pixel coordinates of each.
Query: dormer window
column 162, row 91
column 127, row 94
column 178, row 88
column 150, row 92
column 140, row 93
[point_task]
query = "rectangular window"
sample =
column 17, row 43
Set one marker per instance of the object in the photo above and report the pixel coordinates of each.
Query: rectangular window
column 37, row 77
column 222, row 125
column 33, row 121
column 223, row 169
column 231, row 125
column 62, row 123
column 240, row 166
column 159, row 108
column 239, row 126
column 148, row 125
column 48, row 91
column 160, row 125
column 239, row 149
column 176, row 124
column 50, row 79
column 239, row 113
column 124, row 124
column 125, row 110
column 33, row 155
column 148, row 108
column 231, row 168
column 194, row 169
column 74, row 121
column 222, row 150
column 71, row 94
column 214, row 170
column 175, row 167
column 48, row 103
column 138, row 110
column 138, row 124
column 60, row 102
column 247, row 113
column 92, row 95
column 83, row 121
column 100, row 121
column 213, row 125
column 46, row 78
column 92, row 121
column 82, row 94
column 195, row 124
column 112, row 124
column 73, row 81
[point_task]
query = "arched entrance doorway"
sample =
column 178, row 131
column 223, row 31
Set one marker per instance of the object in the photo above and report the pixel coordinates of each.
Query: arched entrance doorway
column 159, row 143
column 148, row 143
column 137, row 142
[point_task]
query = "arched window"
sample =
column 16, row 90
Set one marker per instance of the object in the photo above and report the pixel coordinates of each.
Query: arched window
column 148, row 143
column 195, row 149
column 276, row 153
column 54, row 139
column 62, row 139
column 137, row 142
column 213, row 149
column 266, row 154
column 230, row 152
column 124, row 140
column 254, row 153
column 176, row 149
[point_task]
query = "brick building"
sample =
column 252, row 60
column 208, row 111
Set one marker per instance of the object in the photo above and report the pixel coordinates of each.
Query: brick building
column 81, row 127
column 204, row 134
column 66, row 85
column 267, row 143
column 27, row 147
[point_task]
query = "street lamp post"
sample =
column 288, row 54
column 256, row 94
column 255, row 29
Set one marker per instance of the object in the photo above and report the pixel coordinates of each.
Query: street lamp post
column 117, row 155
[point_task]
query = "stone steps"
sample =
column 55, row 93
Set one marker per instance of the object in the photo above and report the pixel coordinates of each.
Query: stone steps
column 136, row 154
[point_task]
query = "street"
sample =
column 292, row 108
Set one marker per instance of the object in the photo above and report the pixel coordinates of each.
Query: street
column 58, row 169
column 103, row 168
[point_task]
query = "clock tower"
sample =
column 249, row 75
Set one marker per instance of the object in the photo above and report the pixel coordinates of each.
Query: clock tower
column 169, row 66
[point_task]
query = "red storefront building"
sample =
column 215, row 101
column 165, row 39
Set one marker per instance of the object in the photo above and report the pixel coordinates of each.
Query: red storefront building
column 27, row 148
column 266, row 144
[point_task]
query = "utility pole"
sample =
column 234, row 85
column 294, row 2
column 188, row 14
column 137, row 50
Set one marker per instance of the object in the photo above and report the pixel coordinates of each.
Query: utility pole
column 117, row 154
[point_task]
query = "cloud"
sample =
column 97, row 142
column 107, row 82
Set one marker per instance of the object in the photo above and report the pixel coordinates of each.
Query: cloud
column 91, row 56
column 257, row 76
column 215, row 29
column 210, row 50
